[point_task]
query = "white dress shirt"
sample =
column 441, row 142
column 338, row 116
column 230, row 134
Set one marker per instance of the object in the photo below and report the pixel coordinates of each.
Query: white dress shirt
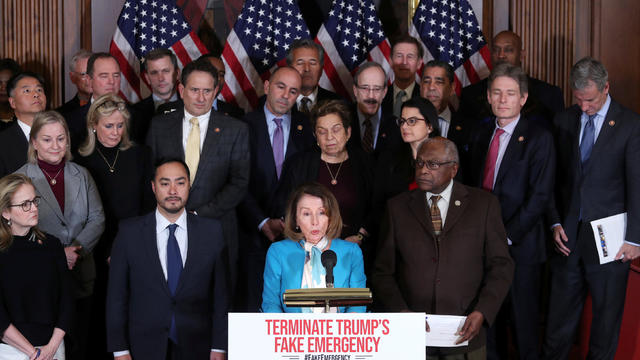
column 26, row 129
column 203, row 123
column 443, row 203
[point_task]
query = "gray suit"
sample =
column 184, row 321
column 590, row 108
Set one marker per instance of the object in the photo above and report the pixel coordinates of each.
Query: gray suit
column 222, row 178
column 82, row 222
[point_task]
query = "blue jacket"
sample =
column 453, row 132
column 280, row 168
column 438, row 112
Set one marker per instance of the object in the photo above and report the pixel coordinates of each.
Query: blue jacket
column 284, row 267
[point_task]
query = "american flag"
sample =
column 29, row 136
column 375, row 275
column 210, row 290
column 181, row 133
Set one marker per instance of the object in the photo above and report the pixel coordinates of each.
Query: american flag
column 259, row 40
column 352, row 34
column 144, row 25
column 450, row 32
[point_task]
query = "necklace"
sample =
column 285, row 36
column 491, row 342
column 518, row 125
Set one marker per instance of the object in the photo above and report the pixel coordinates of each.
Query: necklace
column 112, row 168
column 334, row 179
column 52, row 180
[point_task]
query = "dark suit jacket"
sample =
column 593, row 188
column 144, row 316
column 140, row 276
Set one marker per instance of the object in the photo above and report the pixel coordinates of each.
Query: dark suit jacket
column 388, row 133
column 387, row 102
column 146, row 110
column 467, row 268
column 140, row 304
column 230, row 109
column 223, row 171
column 69, row 106
column 524, row 185
column 13, row 149
column 263, row 180
column 545, row 100
column 610, row 182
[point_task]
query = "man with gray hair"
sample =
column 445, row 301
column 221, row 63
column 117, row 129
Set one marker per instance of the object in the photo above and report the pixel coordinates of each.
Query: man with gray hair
column 79, row 78
column 307, row 57
column 598, row 175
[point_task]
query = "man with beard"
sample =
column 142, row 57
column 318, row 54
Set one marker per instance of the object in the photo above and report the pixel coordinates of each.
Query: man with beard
column 545, row 100
column 406, row 59
column 155, row 310
column 372, row 128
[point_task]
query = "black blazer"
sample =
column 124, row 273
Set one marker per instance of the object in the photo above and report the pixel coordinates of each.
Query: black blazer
column 524, row 185
column 146, row 110
column 609, row 184
column 13, row 149
column 304, row 168
column 388, row 133
column 69, row 106
column 77, row 123
column 263, row 180
column 140, row 304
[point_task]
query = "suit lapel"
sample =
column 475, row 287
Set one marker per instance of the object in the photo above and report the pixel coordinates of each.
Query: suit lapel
column 457, row 205
column 193, row 249
column 420, row 209
column 42, row 185
column 265, row 149
column 151, row 247
column 295, row 135
column 211, row 140
column 174, row 135
column 513, row 150
column 606, row 134
column 72, row 184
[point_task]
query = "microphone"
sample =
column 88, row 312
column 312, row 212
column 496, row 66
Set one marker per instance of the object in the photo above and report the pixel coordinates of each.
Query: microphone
column 329, row 260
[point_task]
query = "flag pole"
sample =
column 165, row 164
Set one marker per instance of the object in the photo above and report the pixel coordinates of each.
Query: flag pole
column 411, row 7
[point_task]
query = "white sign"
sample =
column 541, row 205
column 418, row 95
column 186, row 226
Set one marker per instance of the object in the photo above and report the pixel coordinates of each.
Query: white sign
column 352, row 336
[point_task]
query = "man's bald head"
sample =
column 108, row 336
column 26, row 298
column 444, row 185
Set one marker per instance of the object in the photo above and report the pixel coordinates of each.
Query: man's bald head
column 506, row 47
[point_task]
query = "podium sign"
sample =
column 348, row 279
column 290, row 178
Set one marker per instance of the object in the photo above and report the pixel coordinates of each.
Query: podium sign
column 296, row 336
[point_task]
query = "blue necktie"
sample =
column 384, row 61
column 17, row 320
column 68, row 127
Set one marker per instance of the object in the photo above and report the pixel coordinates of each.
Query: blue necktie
column 174, row 269
column 588, row 138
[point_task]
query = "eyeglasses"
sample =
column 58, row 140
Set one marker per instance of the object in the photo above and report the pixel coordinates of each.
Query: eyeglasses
column 366, row 89
column 120, row 105
column 431, row 165
column 410, row 121
column 26, row 205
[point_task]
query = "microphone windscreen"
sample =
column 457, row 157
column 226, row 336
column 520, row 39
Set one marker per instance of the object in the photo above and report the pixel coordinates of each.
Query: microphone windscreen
column 329, row 258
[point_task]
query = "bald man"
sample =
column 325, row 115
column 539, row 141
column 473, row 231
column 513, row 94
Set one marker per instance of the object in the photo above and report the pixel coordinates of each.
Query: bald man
column 545, row 100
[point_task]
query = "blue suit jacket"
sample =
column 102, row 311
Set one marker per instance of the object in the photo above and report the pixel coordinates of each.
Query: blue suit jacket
column 284, row 267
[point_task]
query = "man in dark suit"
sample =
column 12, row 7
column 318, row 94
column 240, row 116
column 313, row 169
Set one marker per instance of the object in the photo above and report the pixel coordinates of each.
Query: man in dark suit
column 598, row 175
column 306, row 56
column 406, row 60
column 544, row 101
column 514, row 158
column 79, row 78
column 218, row 104
column 214, row 146
column 26, row 98
column 162, row 72
column 104, row 75
column 167, row 296
column 443, row 250
column 268, row 129
column 371, row 128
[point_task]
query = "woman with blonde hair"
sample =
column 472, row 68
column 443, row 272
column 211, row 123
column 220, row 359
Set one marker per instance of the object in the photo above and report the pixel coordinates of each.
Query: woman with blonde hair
column 36, row 307
column 70, row 209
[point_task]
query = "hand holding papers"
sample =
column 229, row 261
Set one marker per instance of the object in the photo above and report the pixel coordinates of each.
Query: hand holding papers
column 609, row 234
column 444, row 330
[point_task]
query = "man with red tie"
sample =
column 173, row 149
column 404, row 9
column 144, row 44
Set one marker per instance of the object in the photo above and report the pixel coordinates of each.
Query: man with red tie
column 514, row 158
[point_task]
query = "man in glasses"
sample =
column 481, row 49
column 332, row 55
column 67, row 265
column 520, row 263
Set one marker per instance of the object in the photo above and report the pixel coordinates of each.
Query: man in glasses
column 372, row 129
column 79, row 78
column 453, row 248
column 513, row 157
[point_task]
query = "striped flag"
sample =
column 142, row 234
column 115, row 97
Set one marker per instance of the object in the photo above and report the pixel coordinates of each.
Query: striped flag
column 351, row 35
column 144, row 25
column 449, row 31
column 259, row 41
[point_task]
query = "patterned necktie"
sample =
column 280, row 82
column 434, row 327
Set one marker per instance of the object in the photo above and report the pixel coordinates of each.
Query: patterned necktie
column 367, row 138
column 436, row 218
column 397, row 105
column 490, row 163
column 304, row 105
column 174, row 269
column 192, row 150
column 588, row 137
column 278, row 146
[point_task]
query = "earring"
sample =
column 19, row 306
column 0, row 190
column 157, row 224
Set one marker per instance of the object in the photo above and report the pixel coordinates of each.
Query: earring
column 94, row 131
column 9, row 222
column 297, row 228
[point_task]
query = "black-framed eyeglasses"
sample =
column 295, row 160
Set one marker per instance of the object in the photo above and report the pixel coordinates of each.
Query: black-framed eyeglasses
column 26, row 205
column 410, row 121
column 120, row 105
column 366, row 89
column 431, row 165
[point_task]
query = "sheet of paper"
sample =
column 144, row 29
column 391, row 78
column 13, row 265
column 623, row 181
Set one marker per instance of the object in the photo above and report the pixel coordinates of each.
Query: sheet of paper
column 444, row 329
column 609, row 236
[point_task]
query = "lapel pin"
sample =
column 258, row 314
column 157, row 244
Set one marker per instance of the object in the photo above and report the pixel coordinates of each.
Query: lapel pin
column 458, row 127
column 384, row 135
column 457, row 203
column 169, row 111
column 299, row 127
column 216, row 130
column 612, row 122
column 521, row 138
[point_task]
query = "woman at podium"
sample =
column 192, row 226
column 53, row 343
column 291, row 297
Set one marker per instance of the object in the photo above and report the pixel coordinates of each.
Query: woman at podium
column 312, row 224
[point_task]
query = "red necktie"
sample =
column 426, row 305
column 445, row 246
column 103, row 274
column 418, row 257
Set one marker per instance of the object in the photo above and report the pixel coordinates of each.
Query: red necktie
column 490, row 164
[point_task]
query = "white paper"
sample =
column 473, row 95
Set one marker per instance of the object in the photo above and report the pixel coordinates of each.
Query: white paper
column 444, row 330
column 609, row 236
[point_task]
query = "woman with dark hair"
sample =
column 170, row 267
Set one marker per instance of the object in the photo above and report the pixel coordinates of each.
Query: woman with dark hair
column 70, row 210
column 346, row 172
column 312, row 224
column 36, row 300
column 394, row 171
column 122, row 172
